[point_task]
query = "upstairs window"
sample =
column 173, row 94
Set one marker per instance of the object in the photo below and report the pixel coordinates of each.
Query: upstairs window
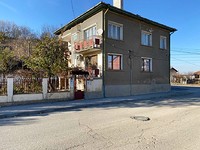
column 74, row 36
column 163, row 42
column 114, row 62
column 90, row 32
column 146, row 64
column 115, row 31
column 146, row 38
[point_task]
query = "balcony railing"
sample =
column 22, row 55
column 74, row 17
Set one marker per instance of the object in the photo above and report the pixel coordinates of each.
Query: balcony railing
column 94, row 73
column 93, row 43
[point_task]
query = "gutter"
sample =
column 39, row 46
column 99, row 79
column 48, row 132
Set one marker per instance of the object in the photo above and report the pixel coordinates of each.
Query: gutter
column 100, row 6
column 170, row 56
column 104, row 49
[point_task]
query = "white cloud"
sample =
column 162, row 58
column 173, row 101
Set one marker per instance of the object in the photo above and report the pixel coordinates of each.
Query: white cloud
column 8, row 7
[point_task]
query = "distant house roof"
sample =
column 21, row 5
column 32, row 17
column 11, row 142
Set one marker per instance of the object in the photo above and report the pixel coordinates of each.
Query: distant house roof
column 197, row 73
column 101, row 6
column 173, row 69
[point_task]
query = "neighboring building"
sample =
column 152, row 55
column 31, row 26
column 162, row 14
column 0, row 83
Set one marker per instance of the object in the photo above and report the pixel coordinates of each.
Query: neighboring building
column 197, row 77
column 173, row 75
column 125, row 54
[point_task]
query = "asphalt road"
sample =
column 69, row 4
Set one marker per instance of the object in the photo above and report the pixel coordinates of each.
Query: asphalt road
column 174, row 125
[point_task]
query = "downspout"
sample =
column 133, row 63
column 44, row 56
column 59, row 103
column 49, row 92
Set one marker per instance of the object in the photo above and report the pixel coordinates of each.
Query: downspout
column 104, row 55
column 131, row 70
column 170, row 57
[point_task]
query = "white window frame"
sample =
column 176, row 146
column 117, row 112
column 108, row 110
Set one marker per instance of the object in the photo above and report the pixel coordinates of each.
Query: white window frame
column 91, row 32
column 146, row 38
column 115, row 30
column 121, row 61
column 163, row 42
column 145, row 68
column 74, row 36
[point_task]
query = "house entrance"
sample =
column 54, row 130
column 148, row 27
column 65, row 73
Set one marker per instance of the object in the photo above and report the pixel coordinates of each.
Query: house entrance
column 80, row 78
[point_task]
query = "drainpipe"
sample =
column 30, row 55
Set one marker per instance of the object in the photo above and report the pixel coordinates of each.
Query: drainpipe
column 170, row 57
column 104, row 55
column 131, row 70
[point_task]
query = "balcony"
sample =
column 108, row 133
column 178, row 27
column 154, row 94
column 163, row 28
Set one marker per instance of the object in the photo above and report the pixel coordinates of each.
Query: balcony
column 87, row 46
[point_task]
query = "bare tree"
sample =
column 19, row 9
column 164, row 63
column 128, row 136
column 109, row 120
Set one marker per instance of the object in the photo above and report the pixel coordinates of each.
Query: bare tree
column 47, row 31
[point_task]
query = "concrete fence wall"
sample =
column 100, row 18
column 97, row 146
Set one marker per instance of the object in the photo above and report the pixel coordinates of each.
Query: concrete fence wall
column 11, row 98
column 94, row 89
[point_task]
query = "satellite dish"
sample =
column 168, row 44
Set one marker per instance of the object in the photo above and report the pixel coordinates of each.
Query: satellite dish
column 100, row 31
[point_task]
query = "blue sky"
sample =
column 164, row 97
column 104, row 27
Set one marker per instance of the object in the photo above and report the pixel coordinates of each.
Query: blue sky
column 180, row 14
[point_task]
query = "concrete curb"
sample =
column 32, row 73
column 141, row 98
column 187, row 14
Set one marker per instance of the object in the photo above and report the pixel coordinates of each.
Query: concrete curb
column 92, row 103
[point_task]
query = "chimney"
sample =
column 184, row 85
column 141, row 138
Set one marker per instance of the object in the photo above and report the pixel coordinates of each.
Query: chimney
column 118, row 4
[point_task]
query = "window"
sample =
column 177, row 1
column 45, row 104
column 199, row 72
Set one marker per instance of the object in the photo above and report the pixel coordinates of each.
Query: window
column 147, row 64
column 114, row 62
column 163, row 42
column 146, row 38
column 74, row 36
column 115, row 31
column 90, row 32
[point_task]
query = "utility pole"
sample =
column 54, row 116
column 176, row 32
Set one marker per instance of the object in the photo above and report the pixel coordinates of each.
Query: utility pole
column 131, row 69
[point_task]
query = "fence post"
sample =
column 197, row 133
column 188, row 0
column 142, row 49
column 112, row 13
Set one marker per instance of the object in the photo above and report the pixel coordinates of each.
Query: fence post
column 44, row 87
column 72, row 88
column 10, row 89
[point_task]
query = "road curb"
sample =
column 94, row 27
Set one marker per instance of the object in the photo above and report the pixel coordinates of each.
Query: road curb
column 87, row 105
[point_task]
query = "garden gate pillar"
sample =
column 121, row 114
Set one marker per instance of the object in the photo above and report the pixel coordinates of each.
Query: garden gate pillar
column 10, row 89
column 44, row 87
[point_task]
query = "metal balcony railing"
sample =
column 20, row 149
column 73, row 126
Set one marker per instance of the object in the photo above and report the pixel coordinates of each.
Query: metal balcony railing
column 92, row 43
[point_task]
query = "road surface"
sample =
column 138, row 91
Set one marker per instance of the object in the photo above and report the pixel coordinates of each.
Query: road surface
column 174, row 125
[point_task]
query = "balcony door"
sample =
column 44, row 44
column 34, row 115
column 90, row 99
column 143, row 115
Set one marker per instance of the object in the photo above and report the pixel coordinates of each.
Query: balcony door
column 90, row 32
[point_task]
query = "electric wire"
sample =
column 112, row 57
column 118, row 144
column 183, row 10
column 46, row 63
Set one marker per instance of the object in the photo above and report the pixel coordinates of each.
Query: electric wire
column 134, row 55
column 185, row 61
column 73, row 9
column 185, row 53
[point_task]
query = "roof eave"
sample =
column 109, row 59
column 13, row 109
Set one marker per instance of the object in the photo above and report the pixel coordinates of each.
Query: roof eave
column 100, row 6
column 82, row 17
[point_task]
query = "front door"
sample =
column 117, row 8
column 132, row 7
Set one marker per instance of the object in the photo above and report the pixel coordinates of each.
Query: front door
column 79, row 87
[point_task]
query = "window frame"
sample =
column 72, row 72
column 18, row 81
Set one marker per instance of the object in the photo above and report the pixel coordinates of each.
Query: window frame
column 146, row 42
column 111, row 66
column 89, row 29
column 163, row 39
column 115, row 27
column 149, row 68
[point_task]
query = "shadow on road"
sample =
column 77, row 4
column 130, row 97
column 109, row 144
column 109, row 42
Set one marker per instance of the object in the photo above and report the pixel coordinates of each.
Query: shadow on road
column 179, row 97
column 17, row 121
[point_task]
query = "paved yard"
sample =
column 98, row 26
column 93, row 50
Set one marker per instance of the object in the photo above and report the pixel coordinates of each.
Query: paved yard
column 174, row 125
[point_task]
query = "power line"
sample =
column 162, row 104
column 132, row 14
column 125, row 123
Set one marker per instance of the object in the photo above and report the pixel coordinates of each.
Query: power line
column 178, row 48
column 186, row 61
column 187, row 52
column 122, row 49
column 73, row 9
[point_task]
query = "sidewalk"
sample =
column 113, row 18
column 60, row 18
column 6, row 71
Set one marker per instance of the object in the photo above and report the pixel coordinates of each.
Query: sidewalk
column 48, row 107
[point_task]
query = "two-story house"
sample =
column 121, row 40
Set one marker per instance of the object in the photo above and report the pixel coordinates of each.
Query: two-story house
column 123, row 53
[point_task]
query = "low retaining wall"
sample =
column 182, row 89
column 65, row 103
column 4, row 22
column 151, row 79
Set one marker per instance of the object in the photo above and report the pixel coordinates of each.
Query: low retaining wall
column 35, row 97
column 25, row 98
column 60, row 95
column 3, row 99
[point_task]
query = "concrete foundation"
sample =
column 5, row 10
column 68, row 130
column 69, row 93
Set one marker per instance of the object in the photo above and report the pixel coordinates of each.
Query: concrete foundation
column 127, row 90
